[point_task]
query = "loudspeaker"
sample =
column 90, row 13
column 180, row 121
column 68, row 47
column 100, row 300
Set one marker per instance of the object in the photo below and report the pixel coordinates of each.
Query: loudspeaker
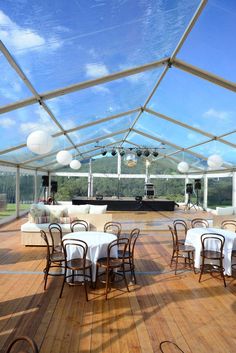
column 138, row 198
column 150, row 192
column 189, row 188
column 99, row 197
column 54, row 186
column 45, row 180
column 197, row 184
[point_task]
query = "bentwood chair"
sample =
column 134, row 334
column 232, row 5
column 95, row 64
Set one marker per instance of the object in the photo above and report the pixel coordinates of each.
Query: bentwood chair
column 113, row 227
column 78, row 225
column 112, row 266
column 214, row 257
column 230, row 225
column 180, row 227
column 180, row 251
column 55, row 233
column 129, row 254
column 54, row 259
column 23, row 342
column 78, row 266
column 199, row 223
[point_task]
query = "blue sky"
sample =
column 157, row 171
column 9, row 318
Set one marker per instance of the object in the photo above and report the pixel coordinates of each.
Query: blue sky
column 59, row 43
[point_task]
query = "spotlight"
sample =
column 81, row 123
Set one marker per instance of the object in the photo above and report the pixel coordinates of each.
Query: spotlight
column 146, row 153
column 155, row 153
column 139, row 153
column 113, row 152
column 104, row 153
column 122, row 153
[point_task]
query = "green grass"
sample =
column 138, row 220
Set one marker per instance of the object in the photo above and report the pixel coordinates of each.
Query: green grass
column 11, row 209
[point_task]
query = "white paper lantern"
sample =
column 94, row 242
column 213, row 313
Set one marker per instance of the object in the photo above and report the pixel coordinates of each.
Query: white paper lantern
column 183, row 167
column 39, row 142
column 130, row 160
column 64, row 157
column 75, row 164
column 215, row 161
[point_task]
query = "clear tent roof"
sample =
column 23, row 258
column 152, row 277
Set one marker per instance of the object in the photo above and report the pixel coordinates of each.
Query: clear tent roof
column 101, row 73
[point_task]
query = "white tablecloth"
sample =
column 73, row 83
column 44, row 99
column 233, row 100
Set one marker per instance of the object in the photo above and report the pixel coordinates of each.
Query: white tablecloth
column 194, row 238
column 97, row 246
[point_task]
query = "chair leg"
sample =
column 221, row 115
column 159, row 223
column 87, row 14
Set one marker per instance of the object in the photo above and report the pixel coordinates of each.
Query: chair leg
column 85, row 285
column 176, row 262
column 202, row 270
column 222, row 272
column 64, row 280
column 107, row 281
column 46, row 271
column 193, row 264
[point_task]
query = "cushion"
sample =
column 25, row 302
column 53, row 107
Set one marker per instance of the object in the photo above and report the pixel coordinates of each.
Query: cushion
column 55, row 214
column 98, row 209
column 224, row 211
column 75, row 210
column 37, row 210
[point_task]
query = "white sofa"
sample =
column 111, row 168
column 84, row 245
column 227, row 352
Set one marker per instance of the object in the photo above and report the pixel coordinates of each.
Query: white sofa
column 40, row 216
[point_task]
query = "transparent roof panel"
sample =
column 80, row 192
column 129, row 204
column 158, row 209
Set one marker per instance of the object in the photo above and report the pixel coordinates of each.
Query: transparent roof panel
column 163, row 129
column 12, row 88
column 16, row 125
column 24, row 154
column 208, row 107
column 104, row 100
column 101, row 130
column 217, row 26
column 215, row 147
column 77, row 41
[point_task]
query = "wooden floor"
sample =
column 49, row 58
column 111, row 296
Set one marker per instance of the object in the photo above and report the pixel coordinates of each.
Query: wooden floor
column 162, row 306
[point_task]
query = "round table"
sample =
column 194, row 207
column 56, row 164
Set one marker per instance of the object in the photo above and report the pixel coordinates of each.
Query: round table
column 97, row 246
column 193, row 238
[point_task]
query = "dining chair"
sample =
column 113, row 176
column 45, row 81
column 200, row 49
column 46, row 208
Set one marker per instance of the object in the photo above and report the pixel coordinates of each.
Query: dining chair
column 113, row 227
column 230, row 224
column 55, row 232
column 129, row 254
column 23, row 341
column 54, row 259
column 75, row 226
column 113, row 266
column 181, row 251
column 180, row 227
column 208, row 240
column 199, row 223
column 78, row 266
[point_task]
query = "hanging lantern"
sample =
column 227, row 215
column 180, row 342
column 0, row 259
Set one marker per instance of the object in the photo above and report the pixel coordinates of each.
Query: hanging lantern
column 64, row 157
column 183, row 167
column 40, row 142
column 75, row 164
column 215, row 161
column 130, row 160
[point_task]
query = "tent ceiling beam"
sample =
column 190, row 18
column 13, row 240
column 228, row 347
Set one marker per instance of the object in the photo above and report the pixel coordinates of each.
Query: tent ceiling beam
column 204, row 74
column 27, row 82
column 178, row 47
column 190, row 127
column 83, row 85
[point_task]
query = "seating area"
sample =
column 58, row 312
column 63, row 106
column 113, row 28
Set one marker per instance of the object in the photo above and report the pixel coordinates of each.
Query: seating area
column 149, row 313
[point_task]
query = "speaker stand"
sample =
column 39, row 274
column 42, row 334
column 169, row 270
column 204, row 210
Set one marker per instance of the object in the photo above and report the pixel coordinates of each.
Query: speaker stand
column 198, row 204
column 188, row 205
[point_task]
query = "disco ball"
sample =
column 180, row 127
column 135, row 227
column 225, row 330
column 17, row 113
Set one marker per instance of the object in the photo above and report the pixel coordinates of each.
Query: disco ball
column 130, row 160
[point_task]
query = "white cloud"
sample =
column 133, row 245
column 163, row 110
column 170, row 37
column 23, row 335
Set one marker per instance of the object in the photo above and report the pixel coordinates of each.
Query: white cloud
column 101, row 89
column 19, row 38
column 96, row 70
column 7, row 122
column 213, row 113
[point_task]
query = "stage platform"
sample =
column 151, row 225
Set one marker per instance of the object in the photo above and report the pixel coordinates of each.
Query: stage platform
column 128, row 204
